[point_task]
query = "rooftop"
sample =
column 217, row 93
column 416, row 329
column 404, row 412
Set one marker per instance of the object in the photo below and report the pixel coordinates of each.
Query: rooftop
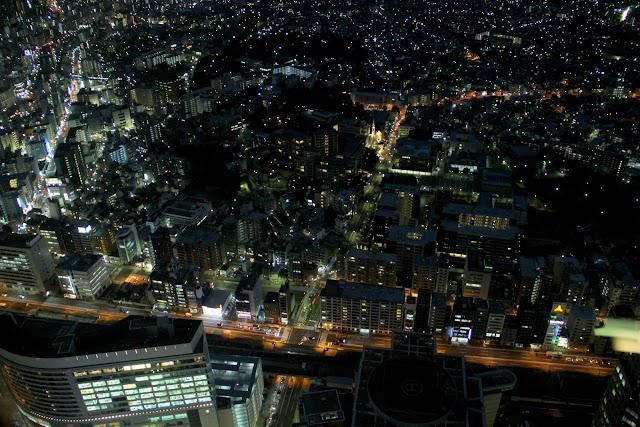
column 79, row 262
column 48, row 338
column 21, row 241
column 361, row 291
column 412, row 235
column 321, row 407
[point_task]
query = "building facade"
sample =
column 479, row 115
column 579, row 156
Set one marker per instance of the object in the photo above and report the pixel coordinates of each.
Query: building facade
column 362, row 308
column 25, row 263
column 83, row 277
column 135, row 372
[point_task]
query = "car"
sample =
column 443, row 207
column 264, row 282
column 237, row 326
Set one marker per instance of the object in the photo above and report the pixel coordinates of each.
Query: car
column 21, row 296
column 219, row 325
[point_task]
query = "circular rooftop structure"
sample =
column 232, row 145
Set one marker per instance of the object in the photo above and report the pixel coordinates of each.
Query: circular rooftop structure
column 412, row 391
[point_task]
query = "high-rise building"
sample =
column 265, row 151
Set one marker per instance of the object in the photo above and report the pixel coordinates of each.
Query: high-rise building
column 530, row 279
column 463, row 316
column 430, row 273
column 580, row 326
column 249, row 297
column 70, row 163
column 327, row 141
column 479, row 319
column 252, row 227
column 373, row 268
column 177, row 287
column 620, row 405
column 138, row 371
column 239, row 385
column 272, row 307
column 287, row 301
column 477, row 275
column 359, row 307
column 201, row 246
column 409, row 243
column 431, row 311
column 161, row 244
column 495, row 320
column 25, row 263
column 83, row 276
column 129, row 247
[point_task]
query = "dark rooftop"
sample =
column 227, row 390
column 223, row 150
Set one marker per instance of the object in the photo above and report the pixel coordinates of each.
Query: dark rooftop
column 361, row 291
column 48, row 338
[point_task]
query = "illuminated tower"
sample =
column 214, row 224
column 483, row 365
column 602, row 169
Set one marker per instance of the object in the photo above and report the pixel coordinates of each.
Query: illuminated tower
column 70, row 163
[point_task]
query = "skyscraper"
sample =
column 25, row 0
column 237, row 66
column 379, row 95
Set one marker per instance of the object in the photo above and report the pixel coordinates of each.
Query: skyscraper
column 69, row 162
column 25, row 263
column 620, row 404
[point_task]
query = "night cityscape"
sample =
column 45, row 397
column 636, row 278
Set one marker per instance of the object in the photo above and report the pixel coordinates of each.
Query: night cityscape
column 251, row 213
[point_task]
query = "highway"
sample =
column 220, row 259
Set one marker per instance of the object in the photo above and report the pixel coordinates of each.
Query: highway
column 288, row 401
column 306, row 340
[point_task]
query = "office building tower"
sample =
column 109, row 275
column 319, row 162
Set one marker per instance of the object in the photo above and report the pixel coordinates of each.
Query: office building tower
column 580, row 326
column 477, row 275
column 533, row 321
column 272, row 308
column 201, row 246
column 431, row 312
column 383, row 219
column 161, row 244
column 122, row 119
column 373, row 268
column 620, row 405
column 26, row 265
column 557, row 321
column 129, row 247
column 249, row 297
column 287, row 301
column 408, row 205
column 412, row 384
column 69, row 162
column 431, row 273
column 463, row 316
column 500, row 244
column 479, row 319
column 252, row 227
column 239, row 385
column 531, row 273
column 137, row 371
column 177, row 287
column 495, row 320
column 360, row 307
column 119, row 155
column 409, row 243
column 83, row 276
column 327, row 141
